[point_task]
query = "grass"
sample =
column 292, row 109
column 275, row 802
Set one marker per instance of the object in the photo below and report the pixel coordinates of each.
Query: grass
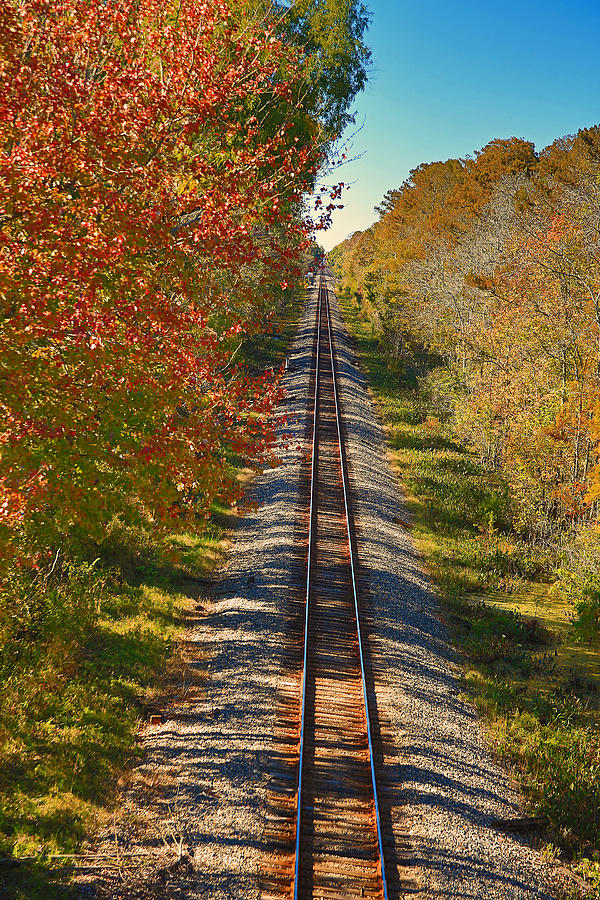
column 73, row 697
column 95, row 651
column 525, row 669
column 262, row 351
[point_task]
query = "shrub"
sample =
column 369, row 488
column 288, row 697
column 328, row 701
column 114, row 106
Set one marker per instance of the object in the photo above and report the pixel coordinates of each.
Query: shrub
column 579, row 580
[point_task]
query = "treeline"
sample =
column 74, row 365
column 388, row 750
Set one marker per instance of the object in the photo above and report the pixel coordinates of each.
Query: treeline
column 153, row 160
column 490, row 265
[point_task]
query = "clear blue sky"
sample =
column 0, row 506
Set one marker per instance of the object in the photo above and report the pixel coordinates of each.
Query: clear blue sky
column 449, row 77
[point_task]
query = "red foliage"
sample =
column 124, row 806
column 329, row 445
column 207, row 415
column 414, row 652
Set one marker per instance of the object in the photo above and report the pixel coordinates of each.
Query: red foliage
column 138, row 183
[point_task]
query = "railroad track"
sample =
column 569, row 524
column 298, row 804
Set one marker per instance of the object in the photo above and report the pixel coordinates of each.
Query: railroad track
column 328, row 818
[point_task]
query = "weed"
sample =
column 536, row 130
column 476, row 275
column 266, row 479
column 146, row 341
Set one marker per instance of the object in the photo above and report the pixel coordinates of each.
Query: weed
column 579, row 580
column 76, row 666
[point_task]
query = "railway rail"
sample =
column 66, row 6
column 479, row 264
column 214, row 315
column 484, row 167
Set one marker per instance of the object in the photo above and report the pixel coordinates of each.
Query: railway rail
column 334, row 814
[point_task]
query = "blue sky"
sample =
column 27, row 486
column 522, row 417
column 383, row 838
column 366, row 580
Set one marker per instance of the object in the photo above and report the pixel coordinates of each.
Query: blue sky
column 449, row 77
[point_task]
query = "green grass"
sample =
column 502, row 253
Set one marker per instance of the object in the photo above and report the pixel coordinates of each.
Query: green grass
column 525, row 669
column 261, row 351
column 94, row 650
column 75, row 691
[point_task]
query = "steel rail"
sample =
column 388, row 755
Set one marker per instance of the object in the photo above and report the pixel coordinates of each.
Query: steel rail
column 323, row 291
column 312, row 506
column 345, row 488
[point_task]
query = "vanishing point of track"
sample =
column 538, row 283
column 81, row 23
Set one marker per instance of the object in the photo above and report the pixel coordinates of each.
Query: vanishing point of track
column 338, row 847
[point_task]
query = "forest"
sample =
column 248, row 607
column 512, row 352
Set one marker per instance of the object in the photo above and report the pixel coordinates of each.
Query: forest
column 488, row 267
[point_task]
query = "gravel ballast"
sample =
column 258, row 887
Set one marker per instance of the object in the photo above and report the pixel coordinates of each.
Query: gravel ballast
column 194, row 816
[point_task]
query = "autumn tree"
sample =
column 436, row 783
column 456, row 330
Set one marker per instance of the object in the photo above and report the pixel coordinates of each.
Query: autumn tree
column 148, row 204
column 492, row 263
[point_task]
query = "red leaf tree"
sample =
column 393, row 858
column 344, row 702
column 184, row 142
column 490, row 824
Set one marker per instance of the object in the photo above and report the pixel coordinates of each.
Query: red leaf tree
column 150, row 195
